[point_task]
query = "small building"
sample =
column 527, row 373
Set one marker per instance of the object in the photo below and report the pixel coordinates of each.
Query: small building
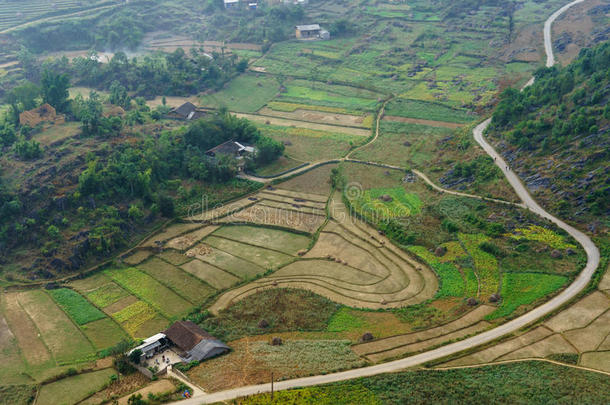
column 231, row 4
column 44, row 113
column 152, row 346
column 192, row 343
column 233, row 149
column 308, row 31
column 186, row 112
column 252, row 6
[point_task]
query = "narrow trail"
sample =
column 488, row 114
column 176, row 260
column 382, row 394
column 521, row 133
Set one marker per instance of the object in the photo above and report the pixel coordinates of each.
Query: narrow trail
column 516, row 324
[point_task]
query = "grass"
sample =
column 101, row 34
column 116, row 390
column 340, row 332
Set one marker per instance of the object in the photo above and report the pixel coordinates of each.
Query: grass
column 284, row 309
column 402, row 204
column 181, row 282
column 150, row 290
column 344, row 320
column 74, row 389
column 17, row 394
column 248, row 93
column 107, row 294
column 541, row 234
column 287, row 242
column 103, row 333
column 403, row 107
column 525, row 382
column 525, row 288
column 280, row 165
column 78, row 308
column 65, row 341
column 486, row 264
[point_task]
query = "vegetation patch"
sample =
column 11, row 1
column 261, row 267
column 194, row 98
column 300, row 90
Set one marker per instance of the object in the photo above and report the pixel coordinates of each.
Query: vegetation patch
column 403, row 107
column 103, row 333
column 17, row 394
column 525, row 288
column 283, row 310
column 248, row 93
column 77, row 307
column 74, row 389
column 541, row 234
column 486, row 264
column 134, row 316
column 387, row 203
column 344, row 320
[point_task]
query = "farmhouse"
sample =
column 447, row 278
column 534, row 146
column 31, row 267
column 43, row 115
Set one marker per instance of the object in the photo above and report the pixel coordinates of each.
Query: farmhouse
column 231, row 4
column 44, row 113
column 183, row 341
column 186, row 112
column 234, row 149
column 311, row 31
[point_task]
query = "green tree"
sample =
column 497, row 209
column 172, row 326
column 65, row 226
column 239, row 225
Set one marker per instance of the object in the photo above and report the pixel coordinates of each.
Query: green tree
column 55, row 90
column 268, row 150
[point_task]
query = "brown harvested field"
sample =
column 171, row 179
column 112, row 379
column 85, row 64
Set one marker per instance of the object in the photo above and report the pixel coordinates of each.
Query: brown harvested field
column 292, row 207
column 492, row 353
column 181, row 282
column 389, row 343
column 578, row 26
column 276, row 217
column 13, row 367
column 605, row 344
column 581, row 313
column 32, row 347
column 300, row 201
column 314, row 181
column 151, row 327
column 320, row 117
column 427, row 344
column 156, row 387
column 591, row 337
column 281, row 191
column 65, row 341
column 249, row 263
column 543, row 348
column 214, row 276
column 220, row 211
column 596, row 360
column 604, row 284
column 429, row 123
column 282, row 241
column 170, row 232
column 137, row 257
column 55, row 133
column 303, row 124
column 90, row 283
column 120, row 304
column 189, row 239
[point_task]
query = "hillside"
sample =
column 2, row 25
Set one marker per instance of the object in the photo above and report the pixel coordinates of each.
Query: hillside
column 555, row 134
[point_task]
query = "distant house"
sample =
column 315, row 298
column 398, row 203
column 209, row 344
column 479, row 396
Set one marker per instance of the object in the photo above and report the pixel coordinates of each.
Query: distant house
column 44, row 113
column 152, row 346
column 233, row 149
column 231, row 4
column 193, row 343
column 186, row 112
column 311, row 31
column 252, row 6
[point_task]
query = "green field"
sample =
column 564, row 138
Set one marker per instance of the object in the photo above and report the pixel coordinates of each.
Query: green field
column 79, row 309
column 248, row 93
column 525, row 288
column 74, row 389
column 181, row 282
column 372, row 204
column 107, row 294
column 150, row 290
column 403, row 107
column 103, row 333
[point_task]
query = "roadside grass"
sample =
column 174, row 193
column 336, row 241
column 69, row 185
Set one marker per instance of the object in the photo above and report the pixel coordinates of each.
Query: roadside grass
column 77, row 307
column 504, row 383
column 181, row 282
column 287, row 242
column 525, row 288
column 407, row 108
column 74, row 389
column 164, row 300
column 284, row 310
column 247, row 93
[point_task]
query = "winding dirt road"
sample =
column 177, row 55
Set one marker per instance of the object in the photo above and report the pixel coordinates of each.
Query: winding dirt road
column 512, row 326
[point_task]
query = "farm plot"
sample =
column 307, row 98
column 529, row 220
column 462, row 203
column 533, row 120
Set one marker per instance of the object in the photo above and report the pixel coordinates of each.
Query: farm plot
column 283, row 122
column 230, row 262
column 261, row 215
column 321, row 117
column 107, row 294
column 65, row 341
column 150, row 290
column 71, row 390
column 181, row 282
column 140, row 320
column 79, row 309
column 316, row 180
column 248, row 93
column 170, row 232
column 402, row 107
column 387, row 203
column 212, row 275
column 13, row 365
column 310, row 145
column 103, row 333
column 188, row 240
column 485, row 264
column 282, row 241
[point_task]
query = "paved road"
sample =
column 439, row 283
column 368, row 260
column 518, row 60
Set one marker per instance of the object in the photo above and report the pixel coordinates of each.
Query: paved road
column 512, row 326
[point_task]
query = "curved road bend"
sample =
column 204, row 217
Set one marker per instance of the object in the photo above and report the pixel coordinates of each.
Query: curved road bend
column 512, row 326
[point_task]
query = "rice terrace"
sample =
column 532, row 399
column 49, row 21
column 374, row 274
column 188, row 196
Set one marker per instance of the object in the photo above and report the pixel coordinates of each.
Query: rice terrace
column 305, row 202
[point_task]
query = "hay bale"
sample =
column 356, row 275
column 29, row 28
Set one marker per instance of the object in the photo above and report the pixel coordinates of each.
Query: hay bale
column 274, row 283
column 302, row 252
column 406, row 143
column 556, row 254
column 384, row 302
column 386, row 198
column 367, row 337
column 276, row 341
column 287, row 143
column 263, row 324
column 570, row 252
column 440, row 251
column 472, row 302
column 494, row 298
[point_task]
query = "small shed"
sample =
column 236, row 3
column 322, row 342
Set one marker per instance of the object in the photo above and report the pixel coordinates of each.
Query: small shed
column 44, row 113
column 231, row 4
column 186, row 112
column 308, row 31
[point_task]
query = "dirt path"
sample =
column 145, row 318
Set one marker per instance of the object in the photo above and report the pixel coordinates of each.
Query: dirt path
column 516, row 324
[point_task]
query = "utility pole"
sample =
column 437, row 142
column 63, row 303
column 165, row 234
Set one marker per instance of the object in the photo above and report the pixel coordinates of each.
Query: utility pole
column 272, row 385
